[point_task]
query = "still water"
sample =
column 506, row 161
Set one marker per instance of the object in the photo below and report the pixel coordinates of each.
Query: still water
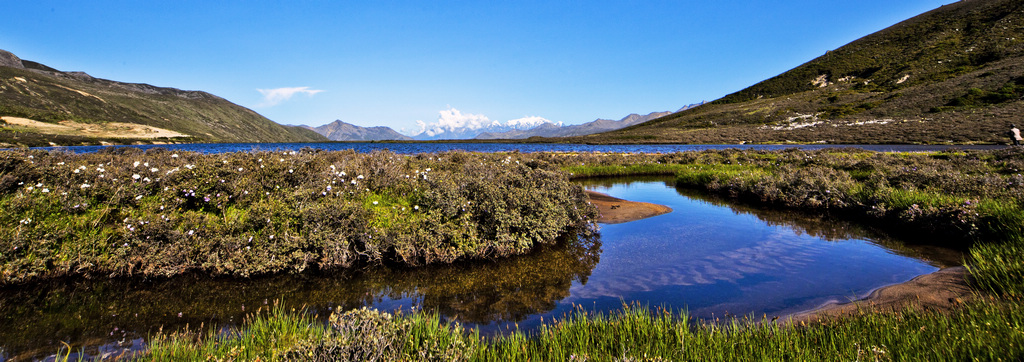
column 432, row 147
column 708, row 257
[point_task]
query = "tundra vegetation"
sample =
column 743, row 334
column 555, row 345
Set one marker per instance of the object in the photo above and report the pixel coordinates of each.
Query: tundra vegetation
column 968, row 198
column 124, row 212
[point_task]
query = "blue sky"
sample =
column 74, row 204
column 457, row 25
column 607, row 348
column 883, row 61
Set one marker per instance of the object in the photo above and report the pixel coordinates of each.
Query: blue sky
column 393, row 63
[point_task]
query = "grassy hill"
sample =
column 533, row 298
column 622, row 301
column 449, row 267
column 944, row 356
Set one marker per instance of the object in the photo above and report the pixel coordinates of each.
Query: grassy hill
column 87, row 110
column 952, row 75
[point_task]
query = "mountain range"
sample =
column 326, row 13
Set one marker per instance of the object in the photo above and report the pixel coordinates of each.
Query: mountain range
column 954, row 75
column 553, row 130
column 484, row 129
column 43, row 106
column 592, row 127
column 341, row 131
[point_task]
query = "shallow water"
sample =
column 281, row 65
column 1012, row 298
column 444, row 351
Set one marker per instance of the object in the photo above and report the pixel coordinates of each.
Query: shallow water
column 424, row 147
column 706, row 256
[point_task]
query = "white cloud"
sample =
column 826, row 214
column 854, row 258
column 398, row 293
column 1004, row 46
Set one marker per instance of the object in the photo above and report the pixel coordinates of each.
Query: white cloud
column 452, row 123
column 273, row 97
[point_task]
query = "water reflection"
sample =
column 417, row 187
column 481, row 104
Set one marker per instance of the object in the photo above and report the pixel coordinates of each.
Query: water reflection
column 430, row 147
column 124, row 312
column 707, row 256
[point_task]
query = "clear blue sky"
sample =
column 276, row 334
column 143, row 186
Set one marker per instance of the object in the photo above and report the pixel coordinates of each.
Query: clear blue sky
column 392, row 63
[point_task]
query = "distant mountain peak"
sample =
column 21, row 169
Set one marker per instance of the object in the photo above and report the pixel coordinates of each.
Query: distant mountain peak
column 454, row 124
column 341, row 131
column 557, row 130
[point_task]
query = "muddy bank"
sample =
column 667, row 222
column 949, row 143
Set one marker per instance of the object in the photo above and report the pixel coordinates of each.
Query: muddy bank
column 615, row 210
column 938, row 291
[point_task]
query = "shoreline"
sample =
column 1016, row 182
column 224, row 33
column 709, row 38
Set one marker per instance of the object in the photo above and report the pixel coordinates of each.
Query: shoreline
column 613, row 210
column 941, row 290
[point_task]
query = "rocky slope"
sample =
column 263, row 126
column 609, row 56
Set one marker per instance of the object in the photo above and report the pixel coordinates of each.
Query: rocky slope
column 951, row 75
column 30, row 90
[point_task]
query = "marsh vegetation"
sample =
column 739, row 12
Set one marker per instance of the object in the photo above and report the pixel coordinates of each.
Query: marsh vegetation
column 157, row 214
column 972, row 199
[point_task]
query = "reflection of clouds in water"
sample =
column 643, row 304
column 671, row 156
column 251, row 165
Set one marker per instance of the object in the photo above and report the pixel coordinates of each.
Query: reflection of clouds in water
column 776, row 255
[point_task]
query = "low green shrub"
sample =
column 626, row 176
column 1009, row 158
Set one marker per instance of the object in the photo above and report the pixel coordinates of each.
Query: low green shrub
column 124, row 212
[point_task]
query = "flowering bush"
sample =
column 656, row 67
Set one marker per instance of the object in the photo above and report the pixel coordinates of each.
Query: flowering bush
column 124, row 212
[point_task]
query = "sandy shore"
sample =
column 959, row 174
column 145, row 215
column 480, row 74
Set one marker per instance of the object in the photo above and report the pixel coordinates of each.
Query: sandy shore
column 938, row 291
column 615, row 210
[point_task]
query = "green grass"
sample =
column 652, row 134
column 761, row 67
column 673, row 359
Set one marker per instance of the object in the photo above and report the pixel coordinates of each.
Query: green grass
column 972, row 197
column 988, row 330
column 706, row 174
column 621, row 170
column 262, row 337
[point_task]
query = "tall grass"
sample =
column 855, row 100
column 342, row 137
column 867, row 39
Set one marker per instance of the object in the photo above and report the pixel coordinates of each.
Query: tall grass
column 263, row 336
column 984, row 331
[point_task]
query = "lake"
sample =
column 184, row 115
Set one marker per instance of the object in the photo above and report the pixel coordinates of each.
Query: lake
column 429, row 147
column 707, row 256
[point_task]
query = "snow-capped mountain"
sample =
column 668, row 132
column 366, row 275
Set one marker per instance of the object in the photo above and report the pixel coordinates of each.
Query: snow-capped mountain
column 453, row 124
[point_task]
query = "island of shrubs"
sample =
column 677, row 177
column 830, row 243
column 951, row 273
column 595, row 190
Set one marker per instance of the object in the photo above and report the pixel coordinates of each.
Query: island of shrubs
column 125, row 212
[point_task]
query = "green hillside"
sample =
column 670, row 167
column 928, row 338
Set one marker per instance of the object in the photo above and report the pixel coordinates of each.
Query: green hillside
column 952, row 75
column 87, row 110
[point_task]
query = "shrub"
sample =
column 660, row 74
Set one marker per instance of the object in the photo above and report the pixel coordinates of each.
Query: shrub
column 160, row 213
